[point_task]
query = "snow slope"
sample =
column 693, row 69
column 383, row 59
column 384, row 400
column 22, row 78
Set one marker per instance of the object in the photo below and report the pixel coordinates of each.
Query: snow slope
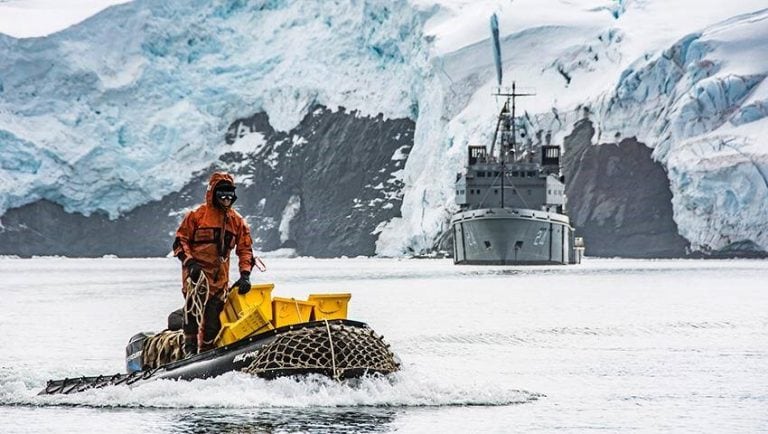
column 121, row 108
column 31, row 18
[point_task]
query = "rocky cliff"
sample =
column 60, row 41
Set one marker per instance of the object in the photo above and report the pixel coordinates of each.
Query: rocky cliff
column 619, row 198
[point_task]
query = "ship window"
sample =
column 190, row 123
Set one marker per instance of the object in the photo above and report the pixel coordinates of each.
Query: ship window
column 481, row 174
column 495, row 191
column 495, row 173
column 531, row 174
column 529, row 192
column 514, row 173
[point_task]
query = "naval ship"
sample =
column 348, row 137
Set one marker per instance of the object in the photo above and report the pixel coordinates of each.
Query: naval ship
column 512, row 198
column 512, row 201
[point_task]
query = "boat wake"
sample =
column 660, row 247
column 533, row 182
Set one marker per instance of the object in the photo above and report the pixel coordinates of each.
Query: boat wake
column 238, row 390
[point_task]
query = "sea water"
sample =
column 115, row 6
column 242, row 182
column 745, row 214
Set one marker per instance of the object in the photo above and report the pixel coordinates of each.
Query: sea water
column 610, row 345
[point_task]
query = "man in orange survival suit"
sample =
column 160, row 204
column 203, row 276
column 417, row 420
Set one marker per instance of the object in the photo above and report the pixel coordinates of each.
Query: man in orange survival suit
column 203, row 243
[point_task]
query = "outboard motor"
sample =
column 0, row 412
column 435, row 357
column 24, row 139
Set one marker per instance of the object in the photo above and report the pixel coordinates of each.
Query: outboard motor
column 133, row 352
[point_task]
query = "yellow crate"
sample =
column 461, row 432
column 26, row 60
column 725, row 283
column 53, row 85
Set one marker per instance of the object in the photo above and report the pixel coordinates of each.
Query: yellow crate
column 250, row 324
column 287, row 311
column 329, row 306
column 237, row 305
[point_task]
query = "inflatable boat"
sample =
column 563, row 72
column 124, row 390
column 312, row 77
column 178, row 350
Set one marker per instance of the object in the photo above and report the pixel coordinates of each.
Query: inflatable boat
column 260, row 336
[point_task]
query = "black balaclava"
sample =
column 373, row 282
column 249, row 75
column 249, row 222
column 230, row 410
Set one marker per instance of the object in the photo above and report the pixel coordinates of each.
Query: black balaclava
column 223, row 186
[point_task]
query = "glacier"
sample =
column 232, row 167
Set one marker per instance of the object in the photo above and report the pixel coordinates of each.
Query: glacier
column 124, row 107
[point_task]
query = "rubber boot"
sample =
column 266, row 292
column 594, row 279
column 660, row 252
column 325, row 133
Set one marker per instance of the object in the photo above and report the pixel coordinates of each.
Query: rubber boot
column 207, row 346
column 211, row 323
column 190, row 346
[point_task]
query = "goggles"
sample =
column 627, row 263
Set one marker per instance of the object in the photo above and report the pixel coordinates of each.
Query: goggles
column 225, row 195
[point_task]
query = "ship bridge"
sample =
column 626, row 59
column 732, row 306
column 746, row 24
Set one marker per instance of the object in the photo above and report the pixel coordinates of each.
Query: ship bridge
column 489, row 183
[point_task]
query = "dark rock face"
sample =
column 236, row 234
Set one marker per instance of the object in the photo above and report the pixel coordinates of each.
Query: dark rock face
column 44, row 228
column 342, row 178
column 619, row 198
column 336, row 166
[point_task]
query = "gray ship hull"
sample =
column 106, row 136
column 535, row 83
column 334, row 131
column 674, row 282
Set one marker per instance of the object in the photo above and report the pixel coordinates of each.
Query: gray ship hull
column 512, row 236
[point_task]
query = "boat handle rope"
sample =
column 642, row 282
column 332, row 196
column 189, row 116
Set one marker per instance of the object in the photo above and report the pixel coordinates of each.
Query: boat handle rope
column 333, row 353
column 298, row 311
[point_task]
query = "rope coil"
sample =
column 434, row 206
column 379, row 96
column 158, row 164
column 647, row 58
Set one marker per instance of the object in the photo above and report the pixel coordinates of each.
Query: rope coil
column 195, row 299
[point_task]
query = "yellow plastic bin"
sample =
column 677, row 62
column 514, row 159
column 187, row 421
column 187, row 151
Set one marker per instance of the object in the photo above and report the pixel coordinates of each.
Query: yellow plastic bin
column 329, row 306
column 287, row 311
column 259, row 297
column 247, row 314
column 251, row 324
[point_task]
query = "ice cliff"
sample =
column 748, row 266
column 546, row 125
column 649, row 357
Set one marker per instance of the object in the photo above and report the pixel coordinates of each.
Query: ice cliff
column 702, row 104
column 124, row 107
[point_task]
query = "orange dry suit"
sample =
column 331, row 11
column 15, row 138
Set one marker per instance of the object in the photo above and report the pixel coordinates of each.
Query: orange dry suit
column 207, row 235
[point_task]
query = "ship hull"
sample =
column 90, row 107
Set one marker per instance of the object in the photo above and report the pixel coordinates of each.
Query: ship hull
column 511, row 236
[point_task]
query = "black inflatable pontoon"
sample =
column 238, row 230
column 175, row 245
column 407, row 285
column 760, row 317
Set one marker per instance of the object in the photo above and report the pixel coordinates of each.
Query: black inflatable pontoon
column 339, row 349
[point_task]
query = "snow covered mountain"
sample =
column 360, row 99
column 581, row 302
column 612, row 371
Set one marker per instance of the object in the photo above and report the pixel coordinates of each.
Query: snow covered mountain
column 123, row 114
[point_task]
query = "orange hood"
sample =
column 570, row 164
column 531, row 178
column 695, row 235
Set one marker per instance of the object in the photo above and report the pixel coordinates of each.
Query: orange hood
column 217, row 178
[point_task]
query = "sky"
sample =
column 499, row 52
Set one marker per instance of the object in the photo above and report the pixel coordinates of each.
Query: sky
column 31, row 18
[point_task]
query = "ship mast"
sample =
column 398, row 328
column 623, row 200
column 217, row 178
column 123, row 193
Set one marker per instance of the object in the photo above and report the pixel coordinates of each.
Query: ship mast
column 505, row 121
column 507, row 125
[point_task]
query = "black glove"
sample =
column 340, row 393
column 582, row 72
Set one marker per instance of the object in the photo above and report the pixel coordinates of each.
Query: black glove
column 194, row 269
column 244, row 283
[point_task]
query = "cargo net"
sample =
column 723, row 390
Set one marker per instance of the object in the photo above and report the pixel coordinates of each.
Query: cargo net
column 162, row 348
column 335, row 350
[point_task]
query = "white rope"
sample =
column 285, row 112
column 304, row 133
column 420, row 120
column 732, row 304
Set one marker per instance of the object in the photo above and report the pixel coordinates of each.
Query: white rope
column 333, row 354
column 199, row 293
column 196, row 298
column 298, row 312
